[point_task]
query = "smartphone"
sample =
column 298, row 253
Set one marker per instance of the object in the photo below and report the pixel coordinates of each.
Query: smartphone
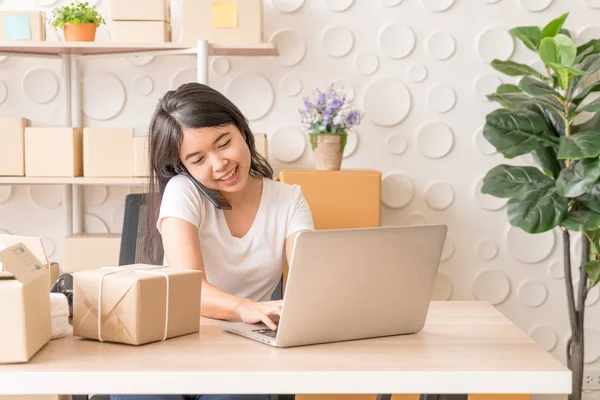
column 212, row 195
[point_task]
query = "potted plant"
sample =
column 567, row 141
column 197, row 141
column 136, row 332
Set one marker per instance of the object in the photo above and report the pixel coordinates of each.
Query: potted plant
column 328, row 119
column 78, row 20
column 538, row 116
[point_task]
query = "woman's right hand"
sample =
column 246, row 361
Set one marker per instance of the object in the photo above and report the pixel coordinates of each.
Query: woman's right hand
column 268, row 312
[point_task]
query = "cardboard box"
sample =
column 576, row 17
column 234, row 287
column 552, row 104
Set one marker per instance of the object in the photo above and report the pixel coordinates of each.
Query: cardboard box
column 108, row 152
column 139, row 303
column 90, row 251
column 260, row 139
column 356, row 194
column 22, row 25
column 141, row 32
column 12, row 146
column 53, row 152
column 141, row 163
column 140, row 10
column 223, row 22
column 35, row 245
column 23, row 285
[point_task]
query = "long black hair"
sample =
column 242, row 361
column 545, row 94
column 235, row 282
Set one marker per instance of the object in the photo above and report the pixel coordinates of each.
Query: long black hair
column 192, row 105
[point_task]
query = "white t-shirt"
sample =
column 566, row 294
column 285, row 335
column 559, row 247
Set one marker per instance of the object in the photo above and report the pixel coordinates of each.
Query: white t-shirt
column 250, row 266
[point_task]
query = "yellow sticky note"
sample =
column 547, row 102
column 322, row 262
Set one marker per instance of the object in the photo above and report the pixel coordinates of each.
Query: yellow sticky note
column 225, row 14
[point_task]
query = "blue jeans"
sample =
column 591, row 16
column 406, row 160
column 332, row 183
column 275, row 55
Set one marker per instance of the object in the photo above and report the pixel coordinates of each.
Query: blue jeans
column 200, row 397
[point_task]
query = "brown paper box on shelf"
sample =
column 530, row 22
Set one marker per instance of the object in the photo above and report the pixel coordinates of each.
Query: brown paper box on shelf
column 108, row 152
column 34, row 244
column 90, row 251
column 22, row 26
column 141, row 164
column 26, row 323
column 140, row 32
column 53, row 152
column 12, row 146
column 260, row 139
column 140, row 10
column 222, row 22
column 138, row 303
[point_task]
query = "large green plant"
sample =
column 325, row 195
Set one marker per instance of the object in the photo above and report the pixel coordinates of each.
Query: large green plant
column 538, row 117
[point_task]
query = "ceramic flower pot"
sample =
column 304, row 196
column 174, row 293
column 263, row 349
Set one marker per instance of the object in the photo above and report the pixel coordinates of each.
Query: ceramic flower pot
column 82, row 33
column 328, row 150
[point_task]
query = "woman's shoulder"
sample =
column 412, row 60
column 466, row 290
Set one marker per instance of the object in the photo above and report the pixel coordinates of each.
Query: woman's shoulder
column 180, row 186
column 283, row 191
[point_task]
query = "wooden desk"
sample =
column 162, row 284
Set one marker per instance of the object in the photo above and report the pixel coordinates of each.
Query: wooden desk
column 466, row 347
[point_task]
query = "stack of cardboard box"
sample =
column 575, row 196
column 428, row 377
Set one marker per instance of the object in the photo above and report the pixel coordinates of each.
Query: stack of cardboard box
column 141, row 21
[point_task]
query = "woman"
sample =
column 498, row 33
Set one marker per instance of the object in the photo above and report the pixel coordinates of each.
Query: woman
column 195, row 130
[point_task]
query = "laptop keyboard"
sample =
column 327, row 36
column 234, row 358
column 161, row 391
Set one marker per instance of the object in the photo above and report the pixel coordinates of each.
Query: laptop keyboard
column 266, row 331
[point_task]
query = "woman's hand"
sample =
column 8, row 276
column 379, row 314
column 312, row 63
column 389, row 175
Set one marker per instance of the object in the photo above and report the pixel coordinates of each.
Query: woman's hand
column 267, row 312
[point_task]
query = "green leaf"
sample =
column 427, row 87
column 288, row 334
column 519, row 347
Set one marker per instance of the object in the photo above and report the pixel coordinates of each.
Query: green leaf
column 585, row 92
column 590, row 65
column 594, row 106
column 581, row 220
column 516, row 132
column 577, row 180
column 587, row 49
column 508, row 88
column 545, row 157
column 559, row 49
column 520, row 100
column 592, row 124
column 580, row 145
column 554, row 118
column 512, row 68
column 565, row 74
column 592, row 268
column 594, row 239
column 506, row 181
column 529, row 35
column 554, row 26
column 537, row 210
column 591, row 199
column 534, row 87
column 565, row 32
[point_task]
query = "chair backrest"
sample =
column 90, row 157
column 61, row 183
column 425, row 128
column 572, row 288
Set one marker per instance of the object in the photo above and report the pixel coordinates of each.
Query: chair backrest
column 134, row 232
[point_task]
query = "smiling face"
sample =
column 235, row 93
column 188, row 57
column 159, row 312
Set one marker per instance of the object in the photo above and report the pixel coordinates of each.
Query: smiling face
column 218, row 157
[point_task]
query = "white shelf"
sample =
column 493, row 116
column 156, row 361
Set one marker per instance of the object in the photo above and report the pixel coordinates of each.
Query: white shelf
column 25, row 180
column 98, row 48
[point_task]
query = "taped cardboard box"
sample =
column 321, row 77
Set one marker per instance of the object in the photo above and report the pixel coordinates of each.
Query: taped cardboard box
column 90, row 251
column 23, row 285
column 12, row 151
column 108, row 152
column 22, row 26
column 64, row 144
column 136, row 304
column 35, row 245
column 141, row 164
column 140, row 10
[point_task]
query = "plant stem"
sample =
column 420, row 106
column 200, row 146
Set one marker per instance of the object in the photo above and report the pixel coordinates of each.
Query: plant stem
column 569, row 278
column 575, row 343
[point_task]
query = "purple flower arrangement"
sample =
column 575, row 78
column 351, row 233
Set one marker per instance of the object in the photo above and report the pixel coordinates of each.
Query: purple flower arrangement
column 328, row 112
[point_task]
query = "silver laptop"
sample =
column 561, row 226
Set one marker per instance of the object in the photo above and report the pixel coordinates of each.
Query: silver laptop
column 348, row 284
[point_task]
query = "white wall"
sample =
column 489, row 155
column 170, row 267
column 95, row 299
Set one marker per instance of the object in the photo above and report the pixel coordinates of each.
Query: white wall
column 424, row 135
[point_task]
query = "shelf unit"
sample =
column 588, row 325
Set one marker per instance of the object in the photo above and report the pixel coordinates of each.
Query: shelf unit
column 70, row 53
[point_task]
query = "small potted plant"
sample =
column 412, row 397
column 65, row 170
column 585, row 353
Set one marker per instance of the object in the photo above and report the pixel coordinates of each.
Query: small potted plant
column 78, row 20
column 328, row 119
